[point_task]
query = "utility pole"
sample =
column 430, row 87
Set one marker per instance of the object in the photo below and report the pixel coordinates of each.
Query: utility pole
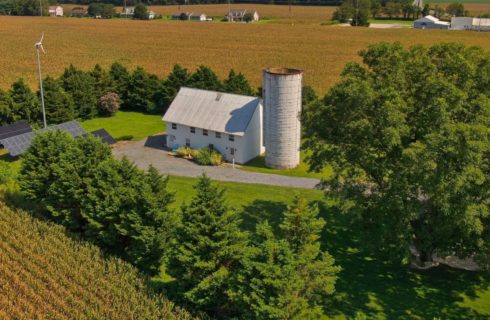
column 357, row 11
column 41, row 8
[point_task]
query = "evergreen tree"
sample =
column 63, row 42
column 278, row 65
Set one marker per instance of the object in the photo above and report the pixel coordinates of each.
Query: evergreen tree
column 287, row 276
column 120, row 76
column 6, row 108
column 179, row 77
column 26, row 103
column 103, row 81
column 210, row 246
column 128, row 213
column 142, row 92
column 55, row 172
column 59, row 105
column 205, row 78
column 81, row 86
column 237, row 83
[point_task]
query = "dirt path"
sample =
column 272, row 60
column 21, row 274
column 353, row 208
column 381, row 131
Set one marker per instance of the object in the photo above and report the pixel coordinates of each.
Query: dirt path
column 150, row 151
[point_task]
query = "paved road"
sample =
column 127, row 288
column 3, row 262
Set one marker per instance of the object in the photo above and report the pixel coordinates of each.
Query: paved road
column 150, row 151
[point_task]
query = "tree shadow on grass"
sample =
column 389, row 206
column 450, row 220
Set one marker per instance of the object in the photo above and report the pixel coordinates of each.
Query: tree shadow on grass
column 377, row 288
column 370, row 285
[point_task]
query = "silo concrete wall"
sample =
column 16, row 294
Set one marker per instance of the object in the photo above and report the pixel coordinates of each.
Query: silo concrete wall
column 282, row 110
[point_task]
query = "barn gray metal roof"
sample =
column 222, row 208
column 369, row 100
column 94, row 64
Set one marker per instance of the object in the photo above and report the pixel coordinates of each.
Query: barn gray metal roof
column 19, row 144
column 211, row 110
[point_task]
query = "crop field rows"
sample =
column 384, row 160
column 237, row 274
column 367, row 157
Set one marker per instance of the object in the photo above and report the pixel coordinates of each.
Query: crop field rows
column 321, row 51
column 43, row 274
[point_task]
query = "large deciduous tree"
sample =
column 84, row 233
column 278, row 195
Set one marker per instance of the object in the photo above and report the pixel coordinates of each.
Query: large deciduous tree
column 408, row 134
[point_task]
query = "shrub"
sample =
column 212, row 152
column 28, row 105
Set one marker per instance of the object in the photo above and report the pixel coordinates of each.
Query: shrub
column 184, row 152
column 125, row 138
column 208, row 157
column 6, row 173
column 109, row 103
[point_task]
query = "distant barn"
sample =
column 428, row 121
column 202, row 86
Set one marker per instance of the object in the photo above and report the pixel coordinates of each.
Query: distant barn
column 239, row 15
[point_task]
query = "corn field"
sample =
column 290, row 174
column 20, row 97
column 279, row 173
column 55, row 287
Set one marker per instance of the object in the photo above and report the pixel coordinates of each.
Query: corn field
column 300, row 42
column 46, row 275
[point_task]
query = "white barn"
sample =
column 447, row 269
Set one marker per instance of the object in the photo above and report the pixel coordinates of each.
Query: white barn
column 55, row 11
column 470, row 23
column 230, row 123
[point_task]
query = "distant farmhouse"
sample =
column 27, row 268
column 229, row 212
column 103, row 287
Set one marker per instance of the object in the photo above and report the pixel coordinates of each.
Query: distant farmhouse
column 55, row 11
column 430, row 22
column 241, row 15
column 242, row 127
column 128, row 12
column 470, row 23
column 190, row 16
column 79, row 12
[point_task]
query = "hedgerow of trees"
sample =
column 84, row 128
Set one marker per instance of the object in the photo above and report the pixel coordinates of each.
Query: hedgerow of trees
column 407, row 133
column 88, row 94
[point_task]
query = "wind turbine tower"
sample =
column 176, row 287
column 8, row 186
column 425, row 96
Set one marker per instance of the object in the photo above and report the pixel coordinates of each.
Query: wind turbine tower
column 39, row 46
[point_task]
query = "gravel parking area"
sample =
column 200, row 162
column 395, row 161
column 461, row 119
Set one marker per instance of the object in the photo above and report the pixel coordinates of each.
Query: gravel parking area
column 151, row 151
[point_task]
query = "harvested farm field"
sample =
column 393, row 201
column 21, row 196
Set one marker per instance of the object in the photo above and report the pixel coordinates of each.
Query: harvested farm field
column 301, row 42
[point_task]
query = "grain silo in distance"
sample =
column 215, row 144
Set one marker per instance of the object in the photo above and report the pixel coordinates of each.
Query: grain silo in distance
column 282, row 110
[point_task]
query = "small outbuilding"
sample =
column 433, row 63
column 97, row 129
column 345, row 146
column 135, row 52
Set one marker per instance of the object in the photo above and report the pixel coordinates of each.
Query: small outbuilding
column 229, row 123
column 55, row 11
column 430, row 22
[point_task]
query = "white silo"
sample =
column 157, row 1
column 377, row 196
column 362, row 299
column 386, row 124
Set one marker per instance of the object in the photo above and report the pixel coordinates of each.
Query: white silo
column 282, row 109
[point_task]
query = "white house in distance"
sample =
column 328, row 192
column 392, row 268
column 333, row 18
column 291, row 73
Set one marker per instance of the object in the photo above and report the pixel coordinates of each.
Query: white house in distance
column 55, row 11
column 470, row 23
column 239, row 15
column 230, row 123
column 430, row 22
column 190, row 16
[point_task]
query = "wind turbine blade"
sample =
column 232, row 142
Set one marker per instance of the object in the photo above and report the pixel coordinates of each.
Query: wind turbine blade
column 42, row 48
column 42, row 37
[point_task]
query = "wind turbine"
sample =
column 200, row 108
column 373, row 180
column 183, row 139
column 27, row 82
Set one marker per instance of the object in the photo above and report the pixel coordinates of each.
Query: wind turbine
column 39, row 46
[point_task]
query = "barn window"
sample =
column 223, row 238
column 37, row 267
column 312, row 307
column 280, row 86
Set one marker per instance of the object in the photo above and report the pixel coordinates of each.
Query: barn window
column 218, row 135
column 193, row 130
column 204, row 132
column 188, row 142
column 231, row 137
column 174, row 126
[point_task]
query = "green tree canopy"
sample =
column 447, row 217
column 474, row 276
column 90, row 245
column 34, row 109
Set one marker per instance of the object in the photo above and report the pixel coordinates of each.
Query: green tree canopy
column 205, row 78
column 59, row 104
column 26, row 105
column 179, row 77
column 81, row 86
column 287, row 276
column 209, row 248
column 407, row 133
column 6, row 108
column 237, row 83
column 140, row 12
column 142, row 92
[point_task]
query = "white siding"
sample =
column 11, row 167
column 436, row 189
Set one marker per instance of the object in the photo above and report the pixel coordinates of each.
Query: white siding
column 246, row 148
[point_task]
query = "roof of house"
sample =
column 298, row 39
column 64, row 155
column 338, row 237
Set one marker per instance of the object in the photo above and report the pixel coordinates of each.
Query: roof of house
column 429, row 18
column 54, row 7
column 211, row 110
column 240, row 12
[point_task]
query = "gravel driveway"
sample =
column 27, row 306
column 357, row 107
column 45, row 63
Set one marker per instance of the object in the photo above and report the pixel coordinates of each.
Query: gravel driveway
column 150, row 151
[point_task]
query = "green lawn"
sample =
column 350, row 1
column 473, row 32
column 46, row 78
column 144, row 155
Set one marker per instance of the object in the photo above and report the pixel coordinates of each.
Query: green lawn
column 130, row 124
column 367, row 284
column 407, row 23
column 258, row 165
